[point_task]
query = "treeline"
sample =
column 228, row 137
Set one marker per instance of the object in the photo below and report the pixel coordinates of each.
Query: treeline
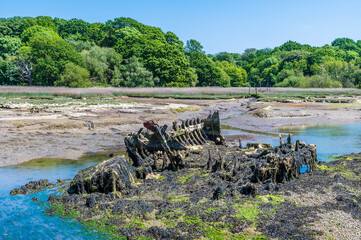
column 295, row 65
column 47, row 51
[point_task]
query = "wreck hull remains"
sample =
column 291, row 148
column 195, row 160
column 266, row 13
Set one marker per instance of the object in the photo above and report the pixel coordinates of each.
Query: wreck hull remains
column 160, row 150
column 198, row 144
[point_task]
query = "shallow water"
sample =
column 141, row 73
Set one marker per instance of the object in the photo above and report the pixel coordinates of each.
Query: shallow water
column 330, row 139
column 21, row 218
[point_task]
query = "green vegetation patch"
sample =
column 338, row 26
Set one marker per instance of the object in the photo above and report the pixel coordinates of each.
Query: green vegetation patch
column 326, row 168
column 350, row 175
column 248, row 211
column 271, row 198
column 101, row 226
column 185, row 109
column 177, row 198
column 45, row 163
column 187, row 178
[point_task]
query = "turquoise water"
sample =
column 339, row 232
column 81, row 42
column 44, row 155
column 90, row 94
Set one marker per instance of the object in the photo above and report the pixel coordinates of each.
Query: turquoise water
column 21, row 218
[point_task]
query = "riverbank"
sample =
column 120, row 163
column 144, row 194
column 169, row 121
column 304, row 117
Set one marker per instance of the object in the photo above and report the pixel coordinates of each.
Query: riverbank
column 66, row 127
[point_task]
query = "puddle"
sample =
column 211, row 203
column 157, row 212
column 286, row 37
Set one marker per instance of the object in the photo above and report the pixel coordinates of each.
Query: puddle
column 236, row 113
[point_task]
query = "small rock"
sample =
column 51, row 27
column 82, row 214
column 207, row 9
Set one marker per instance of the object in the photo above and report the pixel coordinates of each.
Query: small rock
column 91, row 202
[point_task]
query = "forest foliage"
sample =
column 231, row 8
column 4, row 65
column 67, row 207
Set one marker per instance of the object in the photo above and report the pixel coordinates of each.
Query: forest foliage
column 47, row 51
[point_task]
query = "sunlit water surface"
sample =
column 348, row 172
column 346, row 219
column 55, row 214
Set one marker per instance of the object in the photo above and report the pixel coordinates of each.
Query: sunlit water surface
column 21, row 218
column 330, row 140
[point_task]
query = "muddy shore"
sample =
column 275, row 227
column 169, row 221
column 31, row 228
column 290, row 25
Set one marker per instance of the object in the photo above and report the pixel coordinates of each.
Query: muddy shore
column 68, row 128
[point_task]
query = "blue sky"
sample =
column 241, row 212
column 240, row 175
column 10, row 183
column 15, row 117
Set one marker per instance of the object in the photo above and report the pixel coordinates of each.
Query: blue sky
column 227, row 25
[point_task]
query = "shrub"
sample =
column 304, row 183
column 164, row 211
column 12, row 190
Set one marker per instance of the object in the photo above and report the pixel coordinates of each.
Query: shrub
column 74, row 76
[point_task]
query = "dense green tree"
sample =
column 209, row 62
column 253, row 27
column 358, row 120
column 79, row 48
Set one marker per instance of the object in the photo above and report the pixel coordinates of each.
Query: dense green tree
column 102, row 63
column 341, row 71
column 74, row 76
column 238, row 76
column 254, row 78
column 97, row 31
column 51, row 44
column 291, row 46
column 9, row 45
column 357, row 77
column 133, row 74
column 153, row 33
column 193, row 46
column 351, row 56
column 166, row 61
column 50, row 53
column 12, row 27
column 173, row 39
column 7, row 73
column 79, row 45
column 346, row 44
column 44, row 21
column 316, row 81
column 295, row 55
column 285, row 73
column 224, row 56
column 75, row 26
column 38, row 31
column 207, row 71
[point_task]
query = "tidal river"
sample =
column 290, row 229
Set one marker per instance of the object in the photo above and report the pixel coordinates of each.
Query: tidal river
column 21, row 218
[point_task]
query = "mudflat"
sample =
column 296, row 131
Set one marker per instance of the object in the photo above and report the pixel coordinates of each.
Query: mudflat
column 67, row 128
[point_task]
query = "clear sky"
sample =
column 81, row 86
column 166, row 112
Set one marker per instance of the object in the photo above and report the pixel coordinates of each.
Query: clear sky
column 224, row 25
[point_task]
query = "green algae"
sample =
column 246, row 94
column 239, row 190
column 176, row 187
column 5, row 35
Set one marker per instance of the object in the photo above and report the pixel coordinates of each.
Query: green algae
column 176, row 198
column 47, row 163
column 248, row 211
column 218, row 230
column 227, row 127
column 350, row 175
column 325, row 168
column 188, row 177
column 99, row 225
column 271, row 198
column 185, row 109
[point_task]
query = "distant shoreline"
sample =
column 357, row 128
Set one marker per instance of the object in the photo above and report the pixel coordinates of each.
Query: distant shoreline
column 172, row 92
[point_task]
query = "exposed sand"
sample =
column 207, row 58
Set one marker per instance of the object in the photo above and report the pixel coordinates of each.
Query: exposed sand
column 66, row 130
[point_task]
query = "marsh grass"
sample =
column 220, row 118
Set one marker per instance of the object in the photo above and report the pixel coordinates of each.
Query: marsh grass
column 180, row 93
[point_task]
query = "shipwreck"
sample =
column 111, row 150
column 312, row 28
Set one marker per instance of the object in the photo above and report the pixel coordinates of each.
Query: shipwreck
column 197, row 144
